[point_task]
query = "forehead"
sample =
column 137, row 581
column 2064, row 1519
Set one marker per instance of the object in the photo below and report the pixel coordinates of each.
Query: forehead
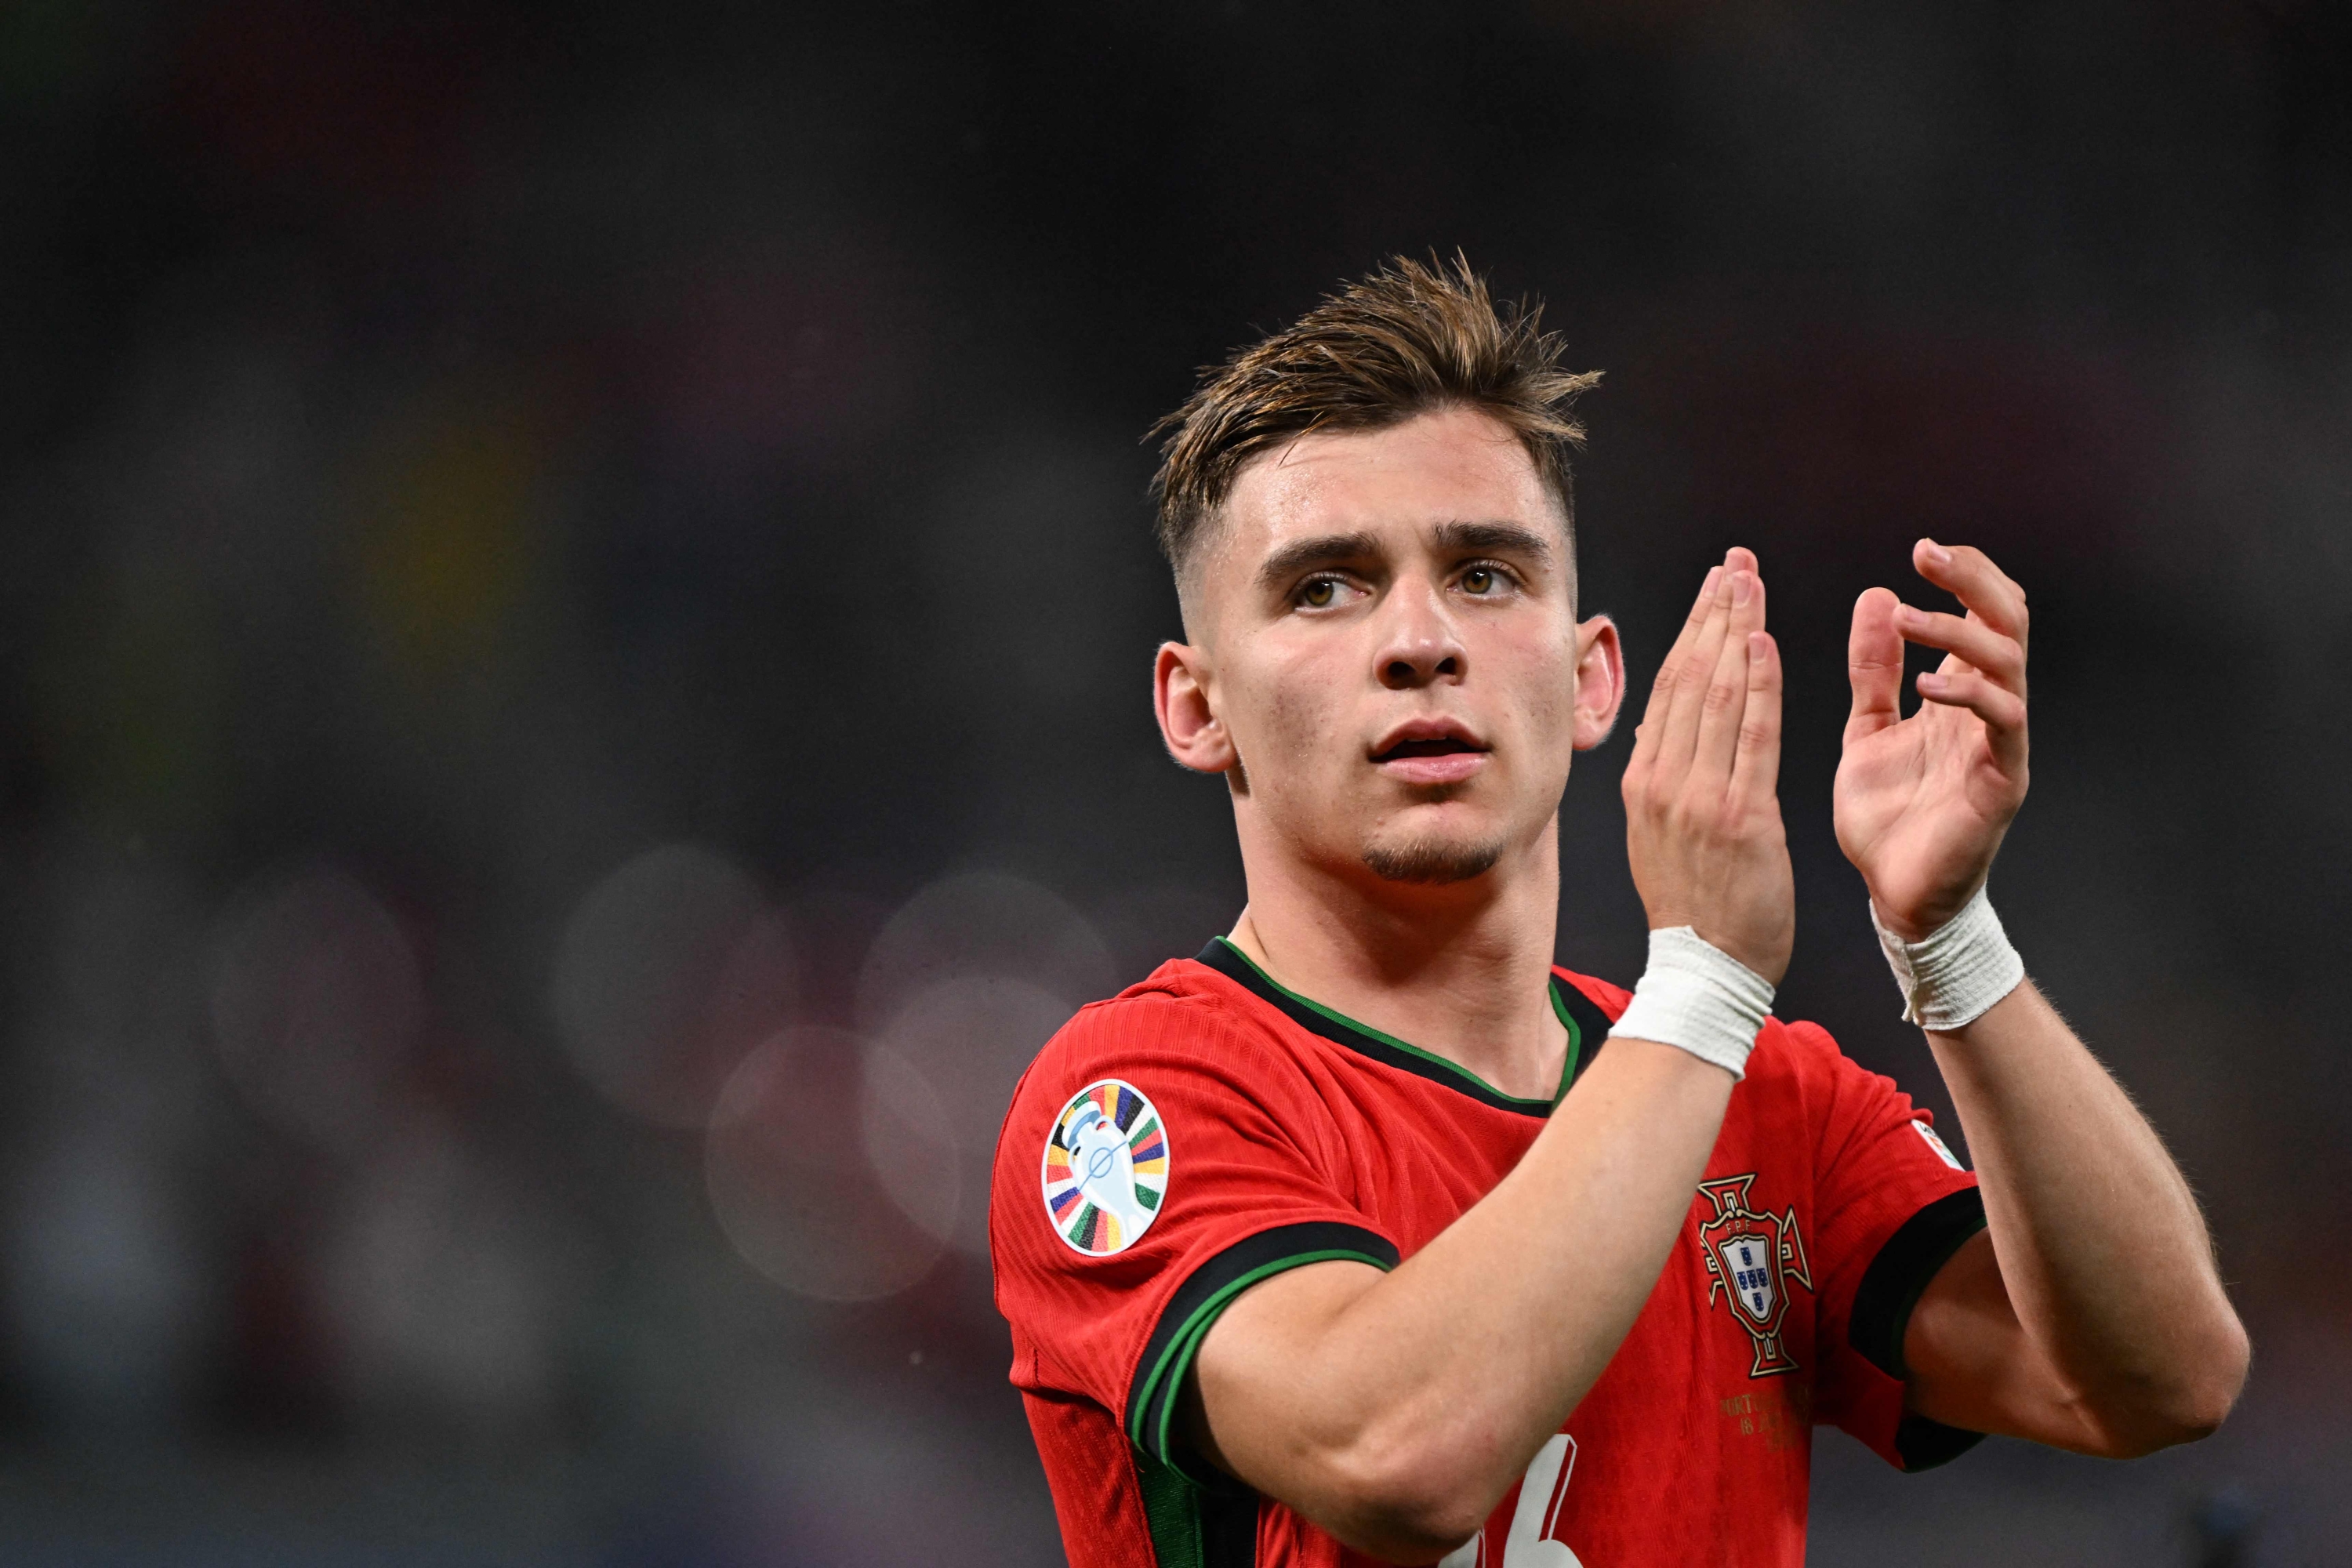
column 1453, row 466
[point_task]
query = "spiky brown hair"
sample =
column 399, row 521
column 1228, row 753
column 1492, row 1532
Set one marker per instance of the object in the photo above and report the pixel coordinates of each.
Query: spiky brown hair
column 1410, row 338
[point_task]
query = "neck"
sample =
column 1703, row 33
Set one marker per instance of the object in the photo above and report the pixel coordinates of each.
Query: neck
column 1459, row 969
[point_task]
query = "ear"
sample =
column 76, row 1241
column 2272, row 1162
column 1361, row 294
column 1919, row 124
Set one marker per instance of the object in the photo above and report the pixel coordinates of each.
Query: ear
column 1600, row 681
column 1188, row 720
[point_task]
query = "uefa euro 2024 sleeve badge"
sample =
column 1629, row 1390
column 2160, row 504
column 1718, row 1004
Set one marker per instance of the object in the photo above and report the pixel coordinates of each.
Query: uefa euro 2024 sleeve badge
column 1752, row 1258
column 1106, row 1168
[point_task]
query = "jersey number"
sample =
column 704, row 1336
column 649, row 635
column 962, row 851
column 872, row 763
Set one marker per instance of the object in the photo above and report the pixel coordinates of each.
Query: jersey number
column 1530, row 1544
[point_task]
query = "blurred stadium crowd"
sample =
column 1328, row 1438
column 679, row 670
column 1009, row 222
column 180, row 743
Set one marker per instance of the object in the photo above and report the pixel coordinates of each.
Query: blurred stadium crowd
column 572, row 682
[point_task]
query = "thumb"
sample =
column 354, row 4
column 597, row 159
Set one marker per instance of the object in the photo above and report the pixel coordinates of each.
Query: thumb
column 1874, row 663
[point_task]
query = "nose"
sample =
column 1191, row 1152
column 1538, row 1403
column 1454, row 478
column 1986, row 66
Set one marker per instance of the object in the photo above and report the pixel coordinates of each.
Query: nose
column 1419, row 646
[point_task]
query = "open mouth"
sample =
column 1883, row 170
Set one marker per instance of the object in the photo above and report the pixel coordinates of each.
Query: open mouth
column 1438, row 746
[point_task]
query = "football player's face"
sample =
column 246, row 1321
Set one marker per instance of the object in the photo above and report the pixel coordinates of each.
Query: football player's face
column 1387, row 642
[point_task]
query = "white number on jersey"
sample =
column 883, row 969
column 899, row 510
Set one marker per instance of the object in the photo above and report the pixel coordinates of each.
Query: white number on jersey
column 1542, row 1491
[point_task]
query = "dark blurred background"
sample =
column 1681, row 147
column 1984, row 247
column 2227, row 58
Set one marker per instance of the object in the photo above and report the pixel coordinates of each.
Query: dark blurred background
column 573, row 650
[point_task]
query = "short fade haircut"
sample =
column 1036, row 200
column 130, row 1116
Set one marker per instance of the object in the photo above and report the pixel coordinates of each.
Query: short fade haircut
column 1409, row 338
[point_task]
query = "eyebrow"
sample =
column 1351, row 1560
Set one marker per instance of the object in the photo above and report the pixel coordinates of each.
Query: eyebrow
column 1322, row 550
column 1494, row 539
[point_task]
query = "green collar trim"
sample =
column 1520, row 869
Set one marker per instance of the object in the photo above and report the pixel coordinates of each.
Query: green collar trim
column 1355, row 1034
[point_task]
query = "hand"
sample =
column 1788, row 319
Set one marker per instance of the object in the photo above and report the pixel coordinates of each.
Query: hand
column 1702, row 792
column 1922, row 803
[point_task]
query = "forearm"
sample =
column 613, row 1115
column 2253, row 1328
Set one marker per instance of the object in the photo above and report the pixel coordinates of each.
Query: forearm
column 1397, row 1418
column 2100, row 1246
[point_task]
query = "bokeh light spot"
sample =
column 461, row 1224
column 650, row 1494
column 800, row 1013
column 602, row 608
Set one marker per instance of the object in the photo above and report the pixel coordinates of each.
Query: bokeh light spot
column 831, row 1167
column 315, row 1004
column 667, row 972
column 971, row 1036
column 982, row 923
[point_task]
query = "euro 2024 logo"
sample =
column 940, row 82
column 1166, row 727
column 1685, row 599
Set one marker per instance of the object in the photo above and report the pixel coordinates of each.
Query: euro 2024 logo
column 1106, row 1168
column 1752, row 1257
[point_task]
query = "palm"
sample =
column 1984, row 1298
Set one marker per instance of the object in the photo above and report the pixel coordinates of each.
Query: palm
column 1920, row 808
column 1922, row 803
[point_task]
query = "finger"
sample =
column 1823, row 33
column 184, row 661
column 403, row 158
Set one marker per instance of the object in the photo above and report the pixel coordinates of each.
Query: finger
column 1739, row 558
column 1640, row 765
column 1756, row 771
column 2002, row 710
column 1721, row 712
column 1973, row 642
column 1873, row 665
column 1644, row 760
column 1688, row 682
column 1661, row 689
column 1969, row 576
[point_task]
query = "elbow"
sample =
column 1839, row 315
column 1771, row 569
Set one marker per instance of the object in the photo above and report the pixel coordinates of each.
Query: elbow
column 2182, row 1409
column 1404, row 1502
column 2203, row 1397
column 2213, row 1393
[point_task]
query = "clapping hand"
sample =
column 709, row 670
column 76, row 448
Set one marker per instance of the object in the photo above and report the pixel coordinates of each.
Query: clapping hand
column 1702, row 825
column 1922, row 803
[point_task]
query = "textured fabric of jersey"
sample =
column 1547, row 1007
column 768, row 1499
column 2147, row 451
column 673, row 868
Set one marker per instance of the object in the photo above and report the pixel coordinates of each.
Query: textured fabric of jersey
column 1282, row 1133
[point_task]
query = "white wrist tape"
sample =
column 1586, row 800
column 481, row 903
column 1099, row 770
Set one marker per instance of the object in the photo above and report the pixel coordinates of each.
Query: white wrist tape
column 1954, row 976
column 1698, row 997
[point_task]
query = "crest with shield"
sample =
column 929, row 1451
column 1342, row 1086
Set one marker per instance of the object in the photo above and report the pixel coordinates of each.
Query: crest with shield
column 1751, row 1256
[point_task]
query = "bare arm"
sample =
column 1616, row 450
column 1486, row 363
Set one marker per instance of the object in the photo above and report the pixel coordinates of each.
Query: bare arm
column 2090, row 1316
column 1394, row 1410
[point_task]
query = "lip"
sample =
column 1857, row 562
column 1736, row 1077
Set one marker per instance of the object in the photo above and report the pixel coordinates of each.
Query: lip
column 1463, row 753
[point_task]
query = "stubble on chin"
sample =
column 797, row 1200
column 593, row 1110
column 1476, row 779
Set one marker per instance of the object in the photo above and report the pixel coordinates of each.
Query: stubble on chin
column 1433, row 861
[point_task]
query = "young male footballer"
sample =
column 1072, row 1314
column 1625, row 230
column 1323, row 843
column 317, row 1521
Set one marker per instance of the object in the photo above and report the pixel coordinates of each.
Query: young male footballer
column 1368, row 1234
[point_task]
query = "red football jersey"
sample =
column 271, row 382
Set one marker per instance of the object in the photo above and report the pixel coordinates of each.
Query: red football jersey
column 1206, row 1128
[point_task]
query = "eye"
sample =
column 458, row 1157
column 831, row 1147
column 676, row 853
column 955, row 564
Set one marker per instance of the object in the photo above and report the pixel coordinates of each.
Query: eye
column 1481, row 580
column 1318, row 593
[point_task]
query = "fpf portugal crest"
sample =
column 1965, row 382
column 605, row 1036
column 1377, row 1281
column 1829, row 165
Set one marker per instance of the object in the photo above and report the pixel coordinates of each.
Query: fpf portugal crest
column 1752, row 1257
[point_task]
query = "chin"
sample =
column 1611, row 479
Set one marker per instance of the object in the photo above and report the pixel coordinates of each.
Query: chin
column 1433, row 861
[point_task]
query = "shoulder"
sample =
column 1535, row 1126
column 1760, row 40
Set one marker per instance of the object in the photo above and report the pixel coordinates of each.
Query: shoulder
column 1182, row 1070
column 1800, row 1075
column 1183, row 1010
column 1803, row 1050
column 1185, row 1026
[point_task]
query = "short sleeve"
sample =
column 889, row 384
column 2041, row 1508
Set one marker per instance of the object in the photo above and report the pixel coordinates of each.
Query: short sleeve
column 1159, row 1159
column 1891, row 1205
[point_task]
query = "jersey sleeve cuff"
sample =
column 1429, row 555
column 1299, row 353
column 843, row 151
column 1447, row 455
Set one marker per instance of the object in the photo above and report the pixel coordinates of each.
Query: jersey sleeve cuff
column 1922, row 1444
column 1204, row 1296
column 1883, row 1304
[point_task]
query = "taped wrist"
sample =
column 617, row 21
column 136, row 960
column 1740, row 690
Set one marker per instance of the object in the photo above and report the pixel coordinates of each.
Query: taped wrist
column 1699, row 998
column 1953, row 976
